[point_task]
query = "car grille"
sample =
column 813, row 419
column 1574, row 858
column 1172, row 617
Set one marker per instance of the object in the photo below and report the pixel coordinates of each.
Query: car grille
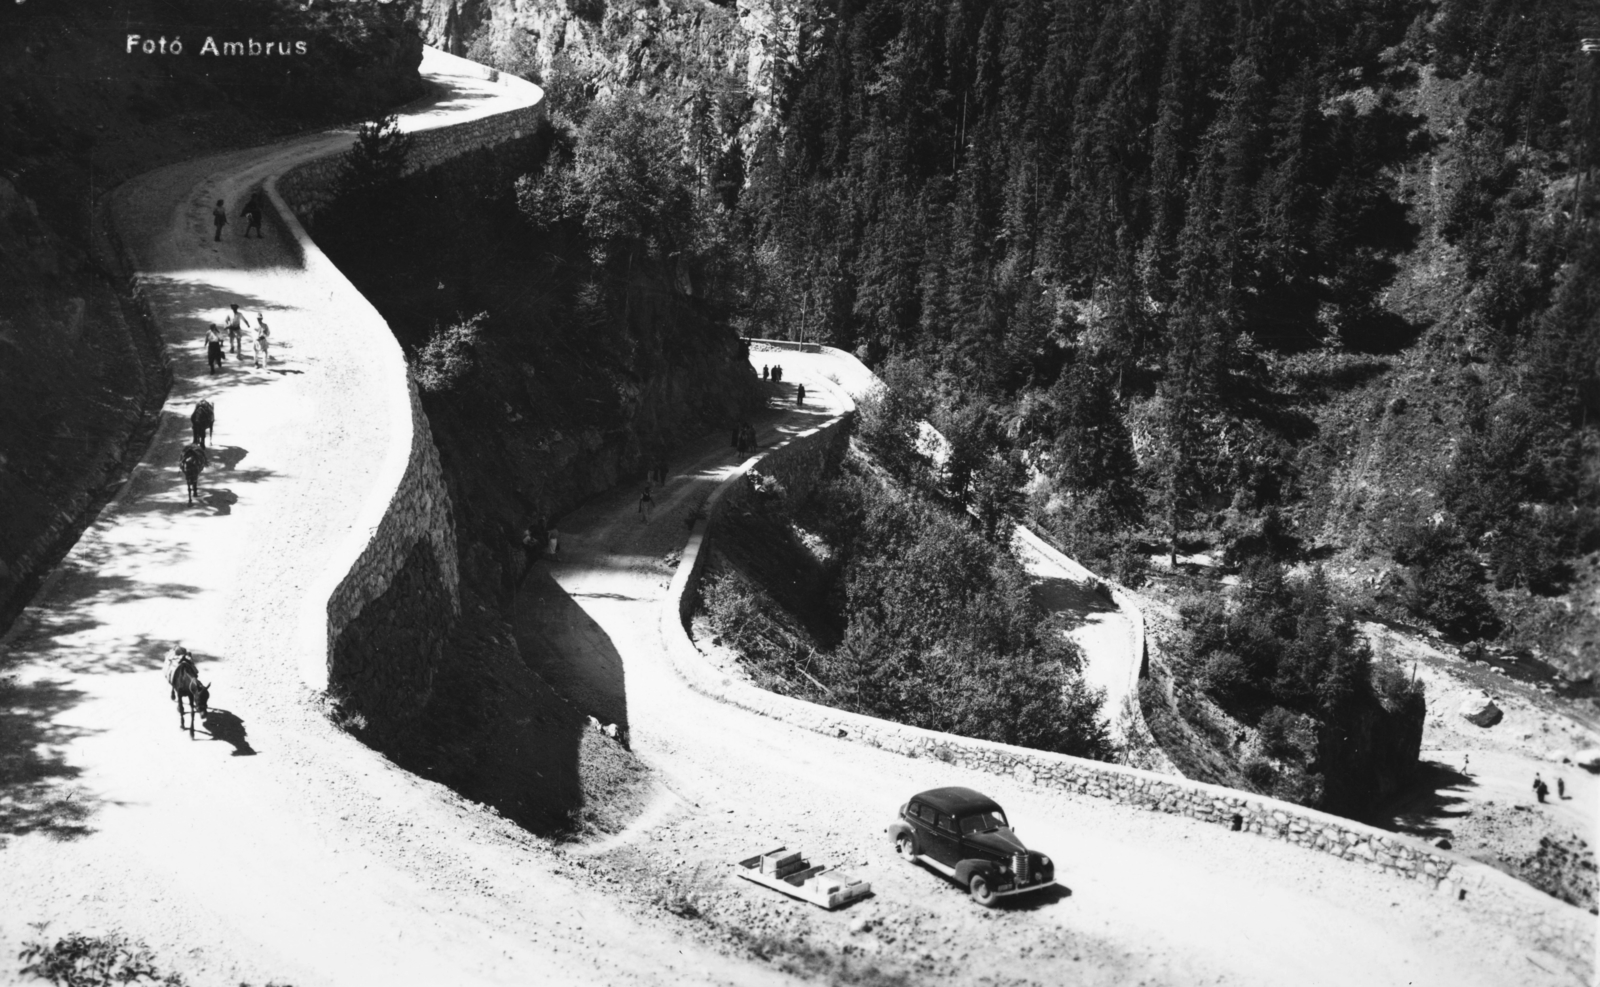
column 1019, row 863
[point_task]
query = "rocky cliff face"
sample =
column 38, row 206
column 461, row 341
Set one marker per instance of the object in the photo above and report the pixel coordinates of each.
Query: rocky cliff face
column 739, row 54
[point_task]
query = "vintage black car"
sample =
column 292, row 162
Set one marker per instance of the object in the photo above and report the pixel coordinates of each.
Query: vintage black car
column 965, row 836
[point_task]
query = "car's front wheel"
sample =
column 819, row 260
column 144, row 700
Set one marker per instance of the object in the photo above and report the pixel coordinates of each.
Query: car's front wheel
column 981, row 891
column 905, row 846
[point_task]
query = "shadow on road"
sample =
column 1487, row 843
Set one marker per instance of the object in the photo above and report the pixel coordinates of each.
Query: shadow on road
column 1426, row 806
column 225, row 726
column 1072, row 601
column 548, row 622
column 38, row 788
column 1035, row 900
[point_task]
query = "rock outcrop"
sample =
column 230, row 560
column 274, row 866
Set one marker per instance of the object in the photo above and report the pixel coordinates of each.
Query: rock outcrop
column 1480, row 710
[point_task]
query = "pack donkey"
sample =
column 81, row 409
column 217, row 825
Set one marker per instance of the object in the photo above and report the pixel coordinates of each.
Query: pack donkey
column 203, row 420
column 193, row 461
column 183, row 678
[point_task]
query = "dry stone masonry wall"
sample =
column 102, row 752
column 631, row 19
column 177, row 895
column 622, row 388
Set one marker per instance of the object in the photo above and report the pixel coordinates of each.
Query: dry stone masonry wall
column 1560, row 930
column 387, row 613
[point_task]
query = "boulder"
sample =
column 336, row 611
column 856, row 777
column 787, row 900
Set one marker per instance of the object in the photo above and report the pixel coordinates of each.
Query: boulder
column 1479, row 709
column 1588, row 759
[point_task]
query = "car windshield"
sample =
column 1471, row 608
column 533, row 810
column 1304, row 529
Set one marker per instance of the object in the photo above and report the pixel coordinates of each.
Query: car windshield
column 983, row 822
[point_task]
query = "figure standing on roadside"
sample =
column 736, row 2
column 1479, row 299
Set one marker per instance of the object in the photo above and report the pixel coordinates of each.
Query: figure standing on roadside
column 1561, row 787
column 800, row 395
column 236, row 331
column 554, row 547
column 262, row 337
column 252, row 209
column 777, row 374
column 766, row 372
column 219, row 217
column 646, row 504
column 1540, row 789
column 214, row 354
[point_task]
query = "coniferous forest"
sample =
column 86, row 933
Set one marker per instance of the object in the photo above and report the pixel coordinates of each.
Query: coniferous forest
column 1286, row 313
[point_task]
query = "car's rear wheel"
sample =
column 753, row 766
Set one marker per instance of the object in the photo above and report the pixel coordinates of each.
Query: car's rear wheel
column 981, row 892
column 905, row 846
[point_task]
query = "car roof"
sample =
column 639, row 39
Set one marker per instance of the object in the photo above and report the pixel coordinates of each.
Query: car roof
column 956, row 800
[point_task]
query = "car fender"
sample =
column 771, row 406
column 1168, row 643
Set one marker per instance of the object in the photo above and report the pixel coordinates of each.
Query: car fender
column 966, row 868
column 899, row 829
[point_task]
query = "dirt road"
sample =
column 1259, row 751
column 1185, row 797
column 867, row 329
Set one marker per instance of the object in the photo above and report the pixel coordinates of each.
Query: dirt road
column 1147, row 897
column 271, row 847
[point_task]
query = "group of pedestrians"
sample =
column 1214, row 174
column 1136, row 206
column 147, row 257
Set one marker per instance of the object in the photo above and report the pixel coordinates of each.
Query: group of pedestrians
column 229, row 338
column 538, row 539
column 744, row 437
column 773, row 373
column 254, row 208
column 1540, row 789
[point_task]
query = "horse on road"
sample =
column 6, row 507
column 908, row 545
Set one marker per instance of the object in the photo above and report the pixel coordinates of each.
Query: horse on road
column 203, row 421
column 183, row 678
column 194, row 460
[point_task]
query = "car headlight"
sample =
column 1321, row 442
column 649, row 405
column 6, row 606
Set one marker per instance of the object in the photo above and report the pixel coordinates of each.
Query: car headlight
column 1044, row 861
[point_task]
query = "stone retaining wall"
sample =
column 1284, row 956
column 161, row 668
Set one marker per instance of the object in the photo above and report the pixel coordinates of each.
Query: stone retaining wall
column 1565, row 933
column 380, row 613
column 311, row 186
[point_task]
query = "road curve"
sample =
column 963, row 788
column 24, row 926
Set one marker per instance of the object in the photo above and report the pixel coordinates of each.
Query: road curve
column 277, row 848
column 1153, row 897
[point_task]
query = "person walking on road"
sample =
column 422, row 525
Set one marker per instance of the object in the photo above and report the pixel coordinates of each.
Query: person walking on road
column 252, row 211
column 1540, row 789
column 553, row 548
column 800, row 396
column 236, row 331
column 1561, row 787
column 214, row 354
column 219, row 216
column 766, row 372
column 645, row 504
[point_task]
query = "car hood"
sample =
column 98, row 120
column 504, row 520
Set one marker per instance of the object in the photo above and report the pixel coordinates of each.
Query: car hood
column 1001, row 841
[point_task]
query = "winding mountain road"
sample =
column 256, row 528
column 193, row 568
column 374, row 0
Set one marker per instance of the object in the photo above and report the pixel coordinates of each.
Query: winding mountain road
column 276, row 847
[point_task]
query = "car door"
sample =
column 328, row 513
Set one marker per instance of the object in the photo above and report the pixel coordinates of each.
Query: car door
column 921, row 820
column 944, row 842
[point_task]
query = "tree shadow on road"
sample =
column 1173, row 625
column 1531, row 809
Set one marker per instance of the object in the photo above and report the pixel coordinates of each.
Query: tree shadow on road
column 39, row 790
column 1423, row 809
column 1075, row 603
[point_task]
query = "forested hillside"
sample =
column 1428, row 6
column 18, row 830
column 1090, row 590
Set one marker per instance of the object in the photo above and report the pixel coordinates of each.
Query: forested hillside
column 1306, row 291
column 1302, row 295
column 1187, row 257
